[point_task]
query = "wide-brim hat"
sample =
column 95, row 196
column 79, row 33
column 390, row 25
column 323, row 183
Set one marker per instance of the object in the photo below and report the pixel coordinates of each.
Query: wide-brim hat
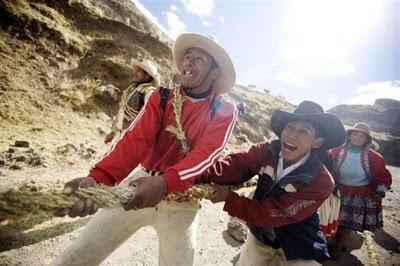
column 328, row 125
column 361, row 127
column 150, row 69
column 227, row 77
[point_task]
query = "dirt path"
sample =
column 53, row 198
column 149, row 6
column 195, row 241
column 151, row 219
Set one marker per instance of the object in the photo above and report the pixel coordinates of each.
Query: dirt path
column 40, row 244
column 382, row 247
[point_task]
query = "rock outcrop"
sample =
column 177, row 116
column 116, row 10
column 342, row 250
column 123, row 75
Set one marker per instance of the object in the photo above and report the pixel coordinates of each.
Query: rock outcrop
column 383, row 116
column 58, row 56
column 384, row 119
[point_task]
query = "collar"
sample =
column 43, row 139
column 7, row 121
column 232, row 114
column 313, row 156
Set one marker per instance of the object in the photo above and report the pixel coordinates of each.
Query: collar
column 280, row 172
column 305, row 172
column 197, row 95
column 354, row 149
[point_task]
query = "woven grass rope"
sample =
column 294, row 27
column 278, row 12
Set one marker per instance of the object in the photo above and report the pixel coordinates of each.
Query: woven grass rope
column 177, row 129
column 33, row 204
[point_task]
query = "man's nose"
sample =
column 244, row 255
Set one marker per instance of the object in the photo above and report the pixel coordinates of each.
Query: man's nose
column 293, row 135
column 188, row 62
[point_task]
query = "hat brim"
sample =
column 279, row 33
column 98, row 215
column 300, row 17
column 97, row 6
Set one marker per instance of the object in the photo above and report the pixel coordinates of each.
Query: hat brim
column 227, row 77
column 150, row 71
column 369, row 137
column 331, row 128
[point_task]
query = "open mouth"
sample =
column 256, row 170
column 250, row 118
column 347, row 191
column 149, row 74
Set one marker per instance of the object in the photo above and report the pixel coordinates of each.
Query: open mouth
column 187, row 74
column 289, row 146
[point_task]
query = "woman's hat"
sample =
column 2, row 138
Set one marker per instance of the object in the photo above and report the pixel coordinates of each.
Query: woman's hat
column 328, row 125
column 361, row 127
column 227, row 77
column 150, row 69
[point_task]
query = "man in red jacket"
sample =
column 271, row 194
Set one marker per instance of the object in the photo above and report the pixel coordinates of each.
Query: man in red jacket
column 292, row 184
column 168, row 163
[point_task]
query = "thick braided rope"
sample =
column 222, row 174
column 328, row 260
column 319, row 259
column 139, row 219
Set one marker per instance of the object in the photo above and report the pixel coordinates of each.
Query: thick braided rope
column 177, row 129
column 125, row 112
column 372, row 255
column 33, row 204
column 128, row 112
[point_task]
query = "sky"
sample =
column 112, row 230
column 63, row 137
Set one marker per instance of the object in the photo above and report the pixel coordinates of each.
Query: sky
column 329, row 51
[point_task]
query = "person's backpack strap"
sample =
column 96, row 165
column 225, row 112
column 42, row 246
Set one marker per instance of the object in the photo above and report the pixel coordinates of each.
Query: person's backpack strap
column 164, row 92
column 215, row 104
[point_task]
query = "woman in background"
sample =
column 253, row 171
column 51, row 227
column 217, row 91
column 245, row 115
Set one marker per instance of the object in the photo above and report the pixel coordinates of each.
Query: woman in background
column 363, row 180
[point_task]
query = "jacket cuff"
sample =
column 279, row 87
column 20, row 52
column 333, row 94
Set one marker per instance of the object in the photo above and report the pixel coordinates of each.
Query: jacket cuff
column 381, row 189
column 174, row 183
column 231, row 203
column 101, row 177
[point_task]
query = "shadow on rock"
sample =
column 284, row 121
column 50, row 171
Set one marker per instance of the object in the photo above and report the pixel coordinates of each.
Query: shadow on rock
column 230, row 240
column 346, row 258
column 386, row 241
column 235, row 259
column 11, row 239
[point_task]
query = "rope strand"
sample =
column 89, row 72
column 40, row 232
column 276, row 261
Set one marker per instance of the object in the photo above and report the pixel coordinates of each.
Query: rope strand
column 177, row 129
column 32, row 204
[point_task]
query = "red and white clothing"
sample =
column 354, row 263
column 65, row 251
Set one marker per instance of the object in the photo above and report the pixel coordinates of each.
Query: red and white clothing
column 358, row 210
column 147, row 142
column 329, row 214
column 373, row 164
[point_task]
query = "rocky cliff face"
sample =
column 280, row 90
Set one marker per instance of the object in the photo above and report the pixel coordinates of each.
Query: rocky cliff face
column 55, row 55
column 49, row 48
column 383, row 116
column 384, row 120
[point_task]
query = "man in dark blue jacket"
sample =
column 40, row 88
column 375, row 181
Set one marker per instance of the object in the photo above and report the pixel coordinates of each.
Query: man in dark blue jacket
column 292, row 184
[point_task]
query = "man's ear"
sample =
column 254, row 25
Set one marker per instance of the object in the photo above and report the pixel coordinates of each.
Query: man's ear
column 215, row 72
column 148, row 77
column 317, row 143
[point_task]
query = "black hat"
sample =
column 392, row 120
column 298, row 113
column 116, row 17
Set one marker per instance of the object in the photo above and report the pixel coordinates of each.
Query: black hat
column 328, row 125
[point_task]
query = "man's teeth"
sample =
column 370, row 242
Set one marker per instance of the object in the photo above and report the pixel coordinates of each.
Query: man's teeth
column 290, row 146
column 188, row 73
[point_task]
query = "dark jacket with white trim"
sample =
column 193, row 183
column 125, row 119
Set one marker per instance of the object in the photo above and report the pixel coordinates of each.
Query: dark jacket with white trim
column 281, row 214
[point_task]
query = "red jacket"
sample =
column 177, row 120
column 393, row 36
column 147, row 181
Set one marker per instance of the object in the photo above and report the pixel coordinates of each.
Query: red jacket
column 147, row 142
column 373, row 164
column 300, row 195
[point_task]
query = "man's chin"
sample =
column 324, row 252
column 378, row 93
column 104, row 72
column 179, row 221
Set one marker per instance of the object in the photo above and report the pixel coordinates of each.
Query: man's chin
column 286, row 156
column 290, row 157
column 188, row 84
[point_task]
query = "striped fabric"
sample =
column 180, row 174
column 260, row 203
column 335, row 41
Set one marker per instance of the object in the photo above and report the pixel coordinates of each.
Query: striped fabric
column 204, row 165
column 329, row 215
column 359, row 211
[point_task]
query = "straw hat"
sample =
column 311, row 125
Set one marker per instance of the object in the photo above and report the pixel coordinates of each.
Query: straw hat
column 227, row 77
column 150, row 69
column 329, row 125
column 362, row 127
